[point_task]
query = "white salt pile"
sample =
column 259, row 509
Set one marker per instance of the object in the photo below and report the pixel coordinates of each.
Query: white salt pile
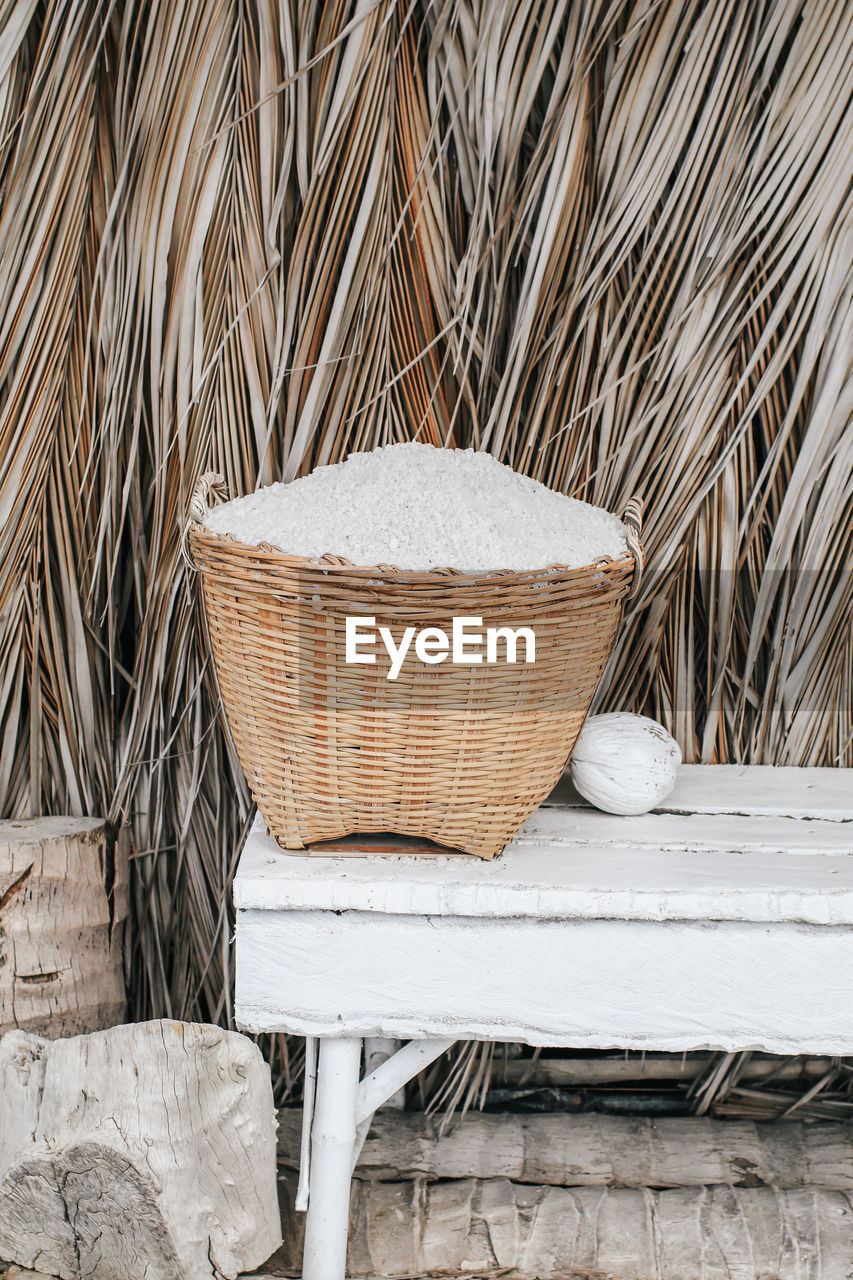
column 418, row 507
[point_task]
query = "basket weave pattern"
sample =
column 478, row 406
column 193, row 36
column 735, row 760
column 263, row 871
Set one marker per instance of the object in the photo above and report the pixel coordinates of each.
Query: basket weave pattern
column 461, row 755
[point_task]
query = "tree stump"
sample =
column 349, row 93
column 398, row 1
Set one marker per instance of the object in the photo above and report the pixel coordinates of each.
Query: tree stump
column 63, row 904
column 146, row 1150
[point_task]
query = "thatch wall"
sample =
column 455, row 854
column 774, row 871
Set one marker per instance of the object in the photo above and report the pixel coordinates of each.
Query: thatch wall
column 610, row 242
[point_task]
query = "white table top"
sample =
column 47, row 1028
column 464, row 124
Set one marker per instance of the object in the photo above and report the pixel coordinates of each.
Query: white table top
column 696, row 858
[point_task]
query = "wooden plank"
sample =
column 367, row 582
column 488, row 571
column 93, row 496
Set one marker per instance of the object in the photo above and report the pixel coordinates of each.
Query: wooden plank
column 697, row 833
column 595, row 1150
column 779, row 988
column 735, row 842
column 565, row 882
column 748, row 790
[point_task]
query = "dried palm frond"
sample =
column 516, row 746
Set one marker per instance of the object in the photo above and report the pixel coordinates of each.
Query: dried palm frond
column 609, row 242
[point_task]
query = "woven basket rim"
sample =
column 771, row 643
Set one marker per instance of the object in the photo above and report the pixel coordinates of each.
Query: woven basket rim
column 275, row 557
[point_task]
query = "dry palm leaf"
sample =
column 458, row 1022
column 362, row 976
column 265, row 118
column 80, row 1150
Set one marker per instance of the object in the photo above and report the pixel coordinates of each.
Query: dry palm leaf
column 611, row 243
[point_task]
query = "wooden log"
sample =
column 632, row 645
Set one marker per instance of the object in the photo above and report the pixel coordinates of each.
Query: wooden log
column 572, row 1073
column 63, row 904
column 21, row 1273
column 408, row 1229
column 145, row 1150
column 521, row 1232
column 597, row 1150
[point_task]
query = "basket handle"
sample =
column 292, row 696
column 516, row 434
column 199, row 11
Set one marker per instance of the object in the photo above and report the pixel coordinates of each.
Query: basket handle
column 211, row 483
column 633, row 518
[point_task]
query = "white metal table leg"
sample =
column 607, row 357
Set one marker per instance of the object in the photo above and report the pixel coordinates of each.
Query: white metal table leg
column 343, row 1109
column 332, row 1141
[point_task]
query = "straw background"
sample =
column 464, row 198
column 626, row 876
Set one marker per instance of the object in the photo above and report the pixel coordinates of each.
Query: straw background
column 611, row 242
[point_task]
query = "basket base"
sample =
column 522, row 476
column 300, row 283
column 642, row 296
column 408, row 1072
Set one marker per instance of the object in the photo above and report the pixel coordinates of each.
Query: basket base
column 374, row 844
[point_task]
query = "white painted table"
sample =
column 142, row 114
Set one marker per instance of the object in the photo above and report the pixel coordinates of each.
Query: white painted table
column 722, row 921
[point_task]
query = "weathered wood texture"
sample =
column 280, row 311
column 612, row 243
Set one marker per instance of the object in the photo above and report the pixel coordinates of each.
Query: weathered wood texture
column 608, row 983
column 595, row 1233
column 63, row 904
column 715, row 1233
column 579, row 864
column 573, row 1151
column 143, row 1151
column 573, row 936
column 782, row 791
column 572, row 1073
column 23, row 1273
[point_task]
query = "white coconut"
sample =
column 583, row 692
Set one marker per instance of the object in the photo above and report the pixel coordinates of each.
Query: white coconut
column 624, row 763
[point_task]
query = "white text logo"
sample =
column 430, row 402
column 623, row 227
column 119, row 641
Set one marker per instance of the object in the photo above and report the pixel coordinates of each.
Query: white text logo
column 464, row 646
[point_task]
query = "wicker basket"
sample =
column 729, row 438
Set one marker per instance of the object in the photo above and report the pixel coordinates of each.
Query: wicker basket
column 460, row 755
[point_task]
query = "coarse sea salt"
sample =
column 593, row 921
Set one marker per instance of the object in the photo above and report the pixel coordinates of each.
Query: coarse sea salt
column 419, row 507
